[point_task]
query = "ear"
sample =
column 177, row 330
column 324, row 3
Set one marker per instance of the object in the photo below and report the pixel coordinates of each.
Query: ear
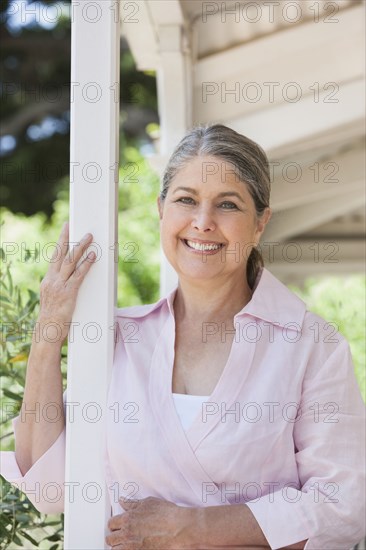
column 262, row 222
column 160, row 207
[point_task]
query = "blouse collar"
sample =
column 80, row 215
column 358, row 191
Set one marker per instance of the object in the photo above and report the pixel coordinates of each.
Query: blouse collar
column 271, row 301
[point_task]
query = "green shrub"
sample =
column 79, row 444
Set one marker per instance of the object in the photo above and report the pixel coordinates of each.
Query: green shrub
column 340, row 301
column 20, row 523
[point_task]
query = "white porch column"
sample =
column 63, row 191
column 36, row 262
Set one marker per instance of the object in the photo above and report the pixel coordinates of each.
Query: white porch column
column 93, row 208
column 174, row 79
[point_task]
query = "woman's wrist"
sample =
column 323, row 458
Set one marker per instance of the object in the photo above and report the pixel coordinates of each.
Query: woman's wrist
column 48, row 334
column 192, row 528
column 220, row 527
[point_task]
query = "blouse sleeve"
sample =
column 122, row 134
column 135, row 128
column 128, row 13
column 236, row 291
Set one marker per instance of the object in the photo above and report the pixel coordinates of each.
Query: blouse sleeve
column 44, row 481
column 328, row 509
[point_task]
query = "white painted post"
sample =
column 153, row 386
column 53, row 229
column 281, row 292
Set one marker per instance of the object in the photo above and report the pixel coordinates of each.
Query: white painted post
column 175, row 107
column 93, row 208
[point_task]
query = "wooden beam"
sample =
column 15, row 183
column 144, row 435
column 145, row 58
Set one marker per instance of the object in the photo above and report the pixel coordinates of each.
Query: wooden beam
column 166, row 12
column 296, row 185
column 222, row 24
column 297, row 220
column 93, row 208
column 313, row 147
column 174, row 100
column 296, row 63
column 293, row 261
column 139, row 29
column 140, row 25
column 305, row 121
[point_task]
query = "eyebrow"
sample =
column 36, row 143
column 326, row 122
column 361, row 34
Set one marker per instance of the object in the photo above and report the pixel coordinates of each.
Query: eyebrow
column 223, row 194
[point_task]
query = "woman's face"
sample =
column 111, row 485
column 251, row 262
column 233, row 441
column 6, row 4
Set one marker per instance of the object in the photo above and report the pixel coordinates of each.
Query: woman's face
column 208, row 221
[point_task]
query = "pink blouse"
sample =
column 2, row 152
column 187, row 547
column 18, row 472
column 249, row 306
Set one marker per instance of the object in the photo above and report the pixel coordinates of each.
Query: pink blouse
column 283, row 431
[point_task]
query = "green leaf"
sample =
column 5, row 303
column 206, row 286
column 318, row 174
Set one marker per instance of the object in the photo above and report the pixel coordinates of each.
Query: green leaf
column 53, row 538
column 12, row 395
column 28, row 537
column 22, row 518
column 17, row 540
column 10, row 281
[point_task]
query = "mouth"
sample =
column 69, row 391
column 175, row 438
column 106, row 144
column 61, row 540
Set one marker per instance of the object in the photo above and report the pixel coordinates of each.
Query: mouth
column 202, row 248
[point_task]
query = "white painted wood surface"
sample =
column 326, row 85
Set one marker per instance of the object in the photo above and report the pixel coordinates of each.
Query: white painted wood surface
column 297, row 184
column 279, row 68
column 175, row 101
column 305, row 121
column 298, row 219
column 93, row 208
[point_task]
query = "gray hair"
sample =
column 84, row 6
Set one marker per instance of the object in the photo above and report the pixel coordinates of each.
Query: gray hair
column 248, row 159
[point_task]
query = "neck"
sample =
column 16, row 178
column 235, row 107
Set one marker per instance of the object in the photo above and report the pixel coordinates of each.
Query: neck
column 210, row 301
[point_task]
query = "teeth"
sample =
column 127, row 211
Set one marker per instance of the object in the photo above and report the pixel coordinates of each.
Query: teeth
column 198, row 246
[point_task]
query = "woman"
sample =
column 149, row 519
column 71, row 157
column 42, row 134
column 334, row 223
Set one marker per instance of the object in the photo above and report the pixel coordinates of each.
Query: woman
column 239, row 394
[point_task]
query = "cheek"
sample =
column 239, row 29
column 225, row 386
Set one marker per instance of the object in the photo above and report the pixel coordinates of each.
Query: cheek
column 168, row 231
column 173, row 222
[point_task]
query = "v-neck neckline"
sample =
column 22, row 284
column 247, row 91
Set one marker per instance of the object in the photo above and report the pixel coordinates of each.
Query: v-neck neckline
column 226, row 389
column 183, row 444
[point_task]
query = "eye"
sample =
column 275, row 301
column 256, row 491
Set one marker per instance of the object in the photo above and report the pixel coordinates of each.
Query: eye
column 231, row 205
column 184, row 199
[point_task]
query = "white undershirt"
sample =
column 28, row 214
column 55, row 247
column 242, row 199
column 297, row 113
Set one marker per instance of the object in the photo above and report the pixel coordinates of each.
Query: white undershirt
column 188, row 407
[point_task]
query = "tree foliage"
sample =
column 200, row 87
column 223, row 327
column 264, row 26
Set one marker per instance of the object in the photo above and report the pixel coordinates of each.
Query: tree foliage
column 35, row 103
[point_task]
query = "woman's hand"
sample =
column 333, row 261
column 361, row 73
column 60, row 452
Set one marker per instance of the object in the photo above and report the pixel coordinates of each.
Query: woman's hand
column 150, row 523
column 156, row 524
column 60, row 286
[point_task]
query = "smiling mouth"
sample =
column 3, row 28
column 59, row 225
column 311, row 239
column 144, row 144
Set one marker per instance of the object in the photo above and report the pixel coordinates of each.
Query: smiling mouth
column 201, row 247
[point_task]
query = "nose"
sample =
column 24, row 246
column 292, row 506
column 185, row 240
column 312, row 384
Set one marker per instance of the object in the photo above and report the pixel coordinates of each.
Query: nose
column 203, row 220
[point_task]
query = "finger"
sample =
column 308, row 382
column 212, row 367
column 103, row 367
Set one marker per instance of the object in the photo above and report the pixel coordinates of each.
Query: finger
column 129, row 504
column 114, row 538
column 61, row 249
column 114, row 522
column 119, row 541
column 69, row 264
column 80, row 272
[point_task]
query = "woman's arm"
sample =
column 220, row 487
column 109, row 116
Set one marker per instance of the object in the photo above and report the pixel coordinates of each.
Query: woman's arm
column 231, row 526
column 41, row 418
column 156, row 523
column 37, row 467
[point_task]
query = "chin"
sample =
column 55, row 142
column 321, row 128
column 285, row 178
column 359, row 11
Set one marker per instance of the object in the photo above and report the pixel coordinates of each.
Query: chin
column 195, row 274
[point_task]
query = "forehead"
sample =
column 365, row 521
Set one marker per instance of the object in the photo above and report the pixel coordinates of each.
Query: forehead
column 214, row 171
